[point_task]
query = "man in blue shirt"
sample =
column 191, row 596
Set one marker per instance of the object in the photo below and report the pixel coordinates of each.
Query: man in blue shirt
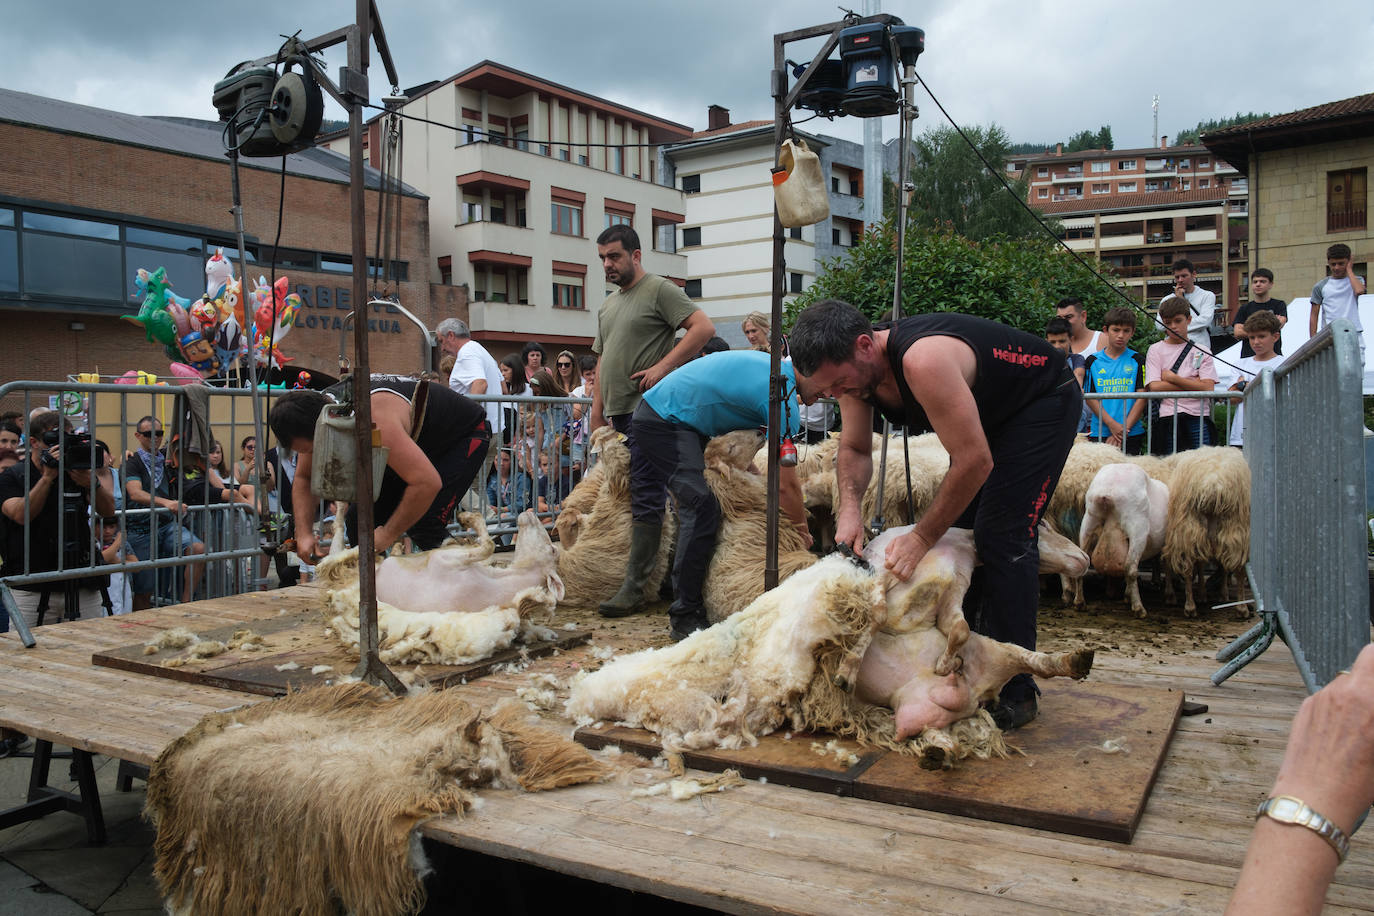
column 1116, row 368
column 710, row 396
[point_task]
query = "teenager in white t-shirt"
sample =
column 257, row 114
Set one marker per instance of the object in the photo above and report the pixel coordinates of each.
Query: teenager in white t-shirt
column 1262, row 330
column 1338, row 295
column 1083, row 340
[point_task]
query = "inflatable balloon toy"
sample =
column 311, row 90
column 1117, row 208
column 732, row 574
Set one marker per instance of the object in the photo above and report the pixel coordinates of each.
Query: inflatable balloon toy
column 191, row 344
column 287, row 306
column 218, row 272
column 158, row 326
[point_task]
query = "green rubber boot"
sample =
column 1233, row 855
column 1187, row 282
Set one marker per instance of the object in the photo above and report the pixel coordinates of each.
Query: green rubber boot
column 644, row 537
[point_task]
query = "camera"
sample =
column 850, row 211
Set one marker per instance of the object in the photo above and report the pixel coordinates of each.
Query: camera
column 81, row 452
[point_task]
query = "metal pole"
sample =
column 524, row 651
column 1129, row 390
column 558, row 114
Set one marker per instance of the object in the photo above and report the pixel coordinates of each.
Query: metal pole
column 260, row 453
column 370, row 667
column 906, row 115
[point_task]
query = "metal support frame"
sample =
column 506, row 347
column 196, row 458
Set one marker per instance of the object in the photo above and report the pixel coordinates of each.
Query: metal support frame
column 43, row 799
column 783, row 100
column 352, row 94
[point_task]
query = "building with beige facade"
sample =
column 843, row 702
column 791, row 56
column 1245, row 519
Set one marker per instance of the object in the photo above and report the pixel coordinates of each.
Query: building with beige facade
column 522, row 175
column 1308, row 188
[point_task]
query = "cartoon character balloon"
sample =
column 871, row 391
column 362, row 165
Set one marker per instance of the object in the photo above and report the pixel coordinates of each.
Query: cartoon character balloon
column 273, row 302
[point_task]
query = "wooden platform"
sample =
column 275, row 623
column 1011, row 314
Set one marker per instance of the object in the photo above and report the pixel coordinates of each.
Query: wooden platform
column 295, row 652
column 765, row 848
column 1087, row 768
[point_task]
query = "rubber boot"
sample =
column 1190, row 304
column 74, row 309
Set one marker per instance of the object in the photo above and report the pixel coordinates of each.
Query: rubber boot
column 644, row 537
column 684, row 623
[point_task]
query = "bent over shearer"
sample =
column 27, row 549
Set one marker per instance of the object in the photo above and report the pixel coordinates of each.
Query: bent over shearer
column 1003, row 403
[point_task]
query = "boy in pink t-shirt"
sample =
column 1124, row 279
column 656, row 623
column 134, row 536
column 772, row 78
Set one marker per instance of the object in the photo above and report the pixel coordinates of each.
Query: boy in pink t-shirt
column 1196, row 372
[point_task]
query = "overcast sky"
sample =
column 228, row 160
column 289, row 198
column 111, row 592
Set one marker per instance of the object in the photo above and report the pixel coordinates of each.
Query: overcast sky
column 1042, row 69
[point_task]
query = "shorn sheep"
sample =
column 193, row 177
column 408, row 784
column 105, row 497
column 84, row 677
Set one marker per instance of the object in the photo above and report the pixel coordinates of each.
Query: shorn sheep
column 1209, row 517
column 1124, row 523
column 595, row 541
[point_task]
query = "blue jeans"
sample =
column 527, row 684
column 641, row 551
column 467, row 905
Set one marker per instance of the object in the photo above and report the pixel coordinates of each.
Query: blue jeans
column 164, row 580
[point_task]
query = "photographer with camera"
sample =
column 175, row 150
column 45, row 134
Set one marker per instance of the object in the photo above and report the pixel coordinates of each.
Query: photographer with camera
column 54, row 499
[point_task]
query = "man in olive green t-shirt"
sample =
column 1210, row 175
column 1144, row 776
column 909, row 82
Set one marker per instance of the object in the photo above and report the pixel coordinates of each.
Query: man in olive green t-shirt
column 635, row 330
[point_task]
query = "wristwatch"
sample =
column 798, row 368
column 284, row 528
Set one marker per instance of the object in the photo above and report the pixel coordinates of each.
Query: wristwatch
column 1289, row 810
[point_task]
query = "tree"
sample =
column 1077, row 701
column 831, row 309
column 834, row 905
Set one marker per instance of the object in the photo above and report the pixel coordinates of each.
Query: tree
column 1087, row 139
column 953, row 188
column 1190, row 137
column 1014, row 281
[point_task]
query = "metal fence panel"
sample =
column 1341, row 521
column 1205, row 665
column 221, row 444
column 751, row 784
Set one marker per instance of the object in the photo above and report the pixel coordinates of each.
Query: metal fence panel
column 1304, row 433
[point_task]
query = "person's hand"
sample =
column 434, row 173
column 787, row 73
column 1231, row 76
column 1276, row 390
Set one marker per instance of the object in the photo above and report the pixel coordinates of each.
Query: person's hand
column 1238, row 332
column 904, row 553
column 648, row 378
column 305, row 547
column 383, row 539
column 1170, row 376
column 1329, row 762
column 1114, row 440
column 1357, row 285
column 849, row 530
column 805, row 533
column 1178, row 291
column 50, row 473
column 81, row 478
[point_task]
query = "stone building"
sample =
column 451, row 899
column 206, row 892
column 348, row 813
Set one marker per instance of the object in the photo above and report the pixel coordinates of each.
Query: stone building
column 1308, row 188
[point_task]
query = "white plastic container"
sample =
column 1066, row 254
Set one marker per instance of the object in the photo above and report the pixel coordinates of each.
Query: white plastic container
column 334, row 464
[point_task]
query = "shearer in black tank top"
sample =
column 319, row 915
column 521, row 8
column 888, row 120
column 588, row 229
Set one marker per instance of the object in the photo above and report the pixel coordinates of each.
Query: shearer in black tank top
column 437, row 439
column 1004, row 405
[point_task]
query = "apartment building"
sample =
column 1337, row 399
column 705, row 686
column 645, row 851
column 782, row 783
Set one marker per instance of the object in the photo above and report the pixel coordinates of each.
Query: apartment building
column 522, row 175
column 727, row 235
column 1141, row 209
column 1308, row 188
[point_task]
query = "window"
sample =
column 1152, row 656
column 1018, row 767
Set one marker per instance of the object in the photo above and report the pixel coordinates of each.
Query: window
column 1043, row 193
column 1043, row 172
column 618, row 158
column 47, row 222
column 693, row 289
column 1079, row 232
column 1199, row 223
column 835, row 237
column 522, row 137
column 496, row 136
column 617, row 219
column 1126, row 165
column 470, row 208
column 1185, row 185
column 567, row 292
column 1345, row 200
column 1152, row 185
column 563, row 154
column 1125, row 187
column 834, row 184
column 1204, row 183
column 691, row 237
column 795, row 232
column 691, row 184
column 520, row 213
column 1103, row 188
column 1204, row 162
column 290, row 258
column 498, row 214
column 446, row 270
column 336, row 264
column 581, row 160
column 565, row 219
column 1100, row 167
column 794, row 282
column 853, row 187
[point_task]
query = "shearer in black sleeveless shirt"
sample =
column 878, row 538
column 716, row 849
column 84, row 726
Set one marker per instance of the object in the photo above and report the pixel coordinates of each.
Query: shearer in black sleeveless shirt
column 437, row 438
column 1004, row 405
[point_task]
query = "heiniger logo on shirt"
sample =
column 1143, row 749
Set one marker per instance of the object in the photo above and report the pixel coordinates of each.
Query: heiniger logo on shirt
column 1019, row 357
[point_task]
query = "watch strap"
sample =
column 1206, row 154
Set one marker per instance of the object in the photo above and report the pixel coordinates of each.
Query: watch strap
column 1287, row 809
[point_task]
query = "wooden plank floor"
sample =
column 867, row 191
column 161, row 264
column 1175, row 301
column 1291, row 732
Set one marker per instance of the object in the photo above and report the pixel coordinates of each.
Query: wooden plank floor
column 765, row 848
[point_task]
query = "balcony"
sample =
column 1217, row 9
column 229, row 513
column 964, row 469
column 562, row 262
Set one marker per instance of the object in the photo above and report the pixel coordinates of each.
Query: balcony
column 1345, row 218
column 516, row 241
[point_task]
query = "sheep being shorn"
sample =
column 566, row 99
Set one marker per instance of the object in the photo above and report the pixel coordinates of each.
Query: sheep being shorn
column 1209, row 517
column 788, row 657
column 451, row 605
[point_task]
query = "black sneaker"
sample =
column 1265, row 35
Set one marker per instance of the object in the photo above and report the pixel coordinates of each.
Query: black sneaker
column 1010, row 715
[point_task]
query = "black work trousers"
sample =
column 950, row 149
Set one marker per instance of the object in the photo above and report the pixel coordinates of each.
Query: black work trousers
column 668, row 457
column 1028, row 454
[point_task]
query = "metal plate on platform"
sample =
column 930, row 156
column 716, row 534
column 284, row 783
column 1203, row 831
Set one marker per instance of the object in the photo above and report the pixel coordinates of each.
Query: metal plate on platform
column 1089, row 763
column 294, row 645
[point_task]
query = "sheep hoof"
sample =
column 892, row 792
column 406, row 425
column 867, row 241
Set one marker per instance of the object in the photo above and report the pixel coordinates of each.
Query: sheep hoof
column 1140, row 613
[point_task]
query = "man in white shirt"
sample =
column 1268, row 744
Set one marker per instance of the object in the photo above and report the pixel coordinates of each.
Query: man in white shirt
column 1338, row 295
column 1083, row 340
column 1201, row 303
column 474, row 371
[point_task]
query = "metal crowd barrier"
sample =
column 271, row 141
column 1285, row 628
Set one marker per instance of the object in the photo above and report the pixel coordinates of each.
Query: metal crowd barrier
column 109, row 413
column 1304, row 432
column 525, row 417
column 1157, row 427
